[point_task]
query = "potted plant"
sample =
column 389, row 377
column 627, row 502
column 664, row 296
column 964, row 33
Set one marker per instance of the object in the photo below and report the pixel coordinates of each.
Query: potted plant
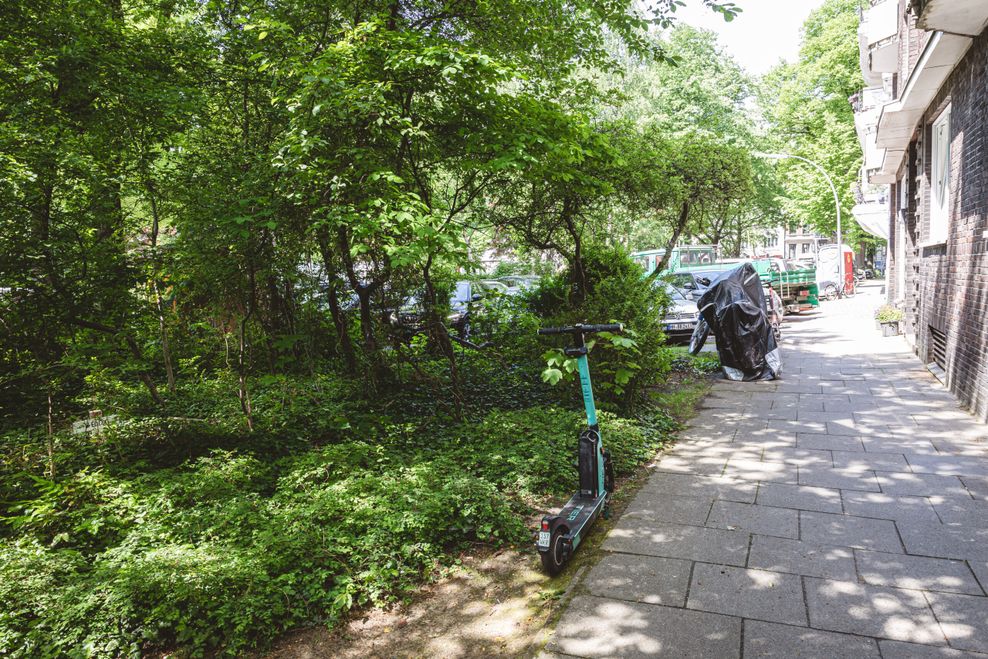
column 888, row 317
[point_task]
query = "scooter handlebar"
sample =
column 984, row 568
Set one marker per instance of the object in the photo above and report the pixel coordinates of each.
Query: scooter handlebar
column 617, row 328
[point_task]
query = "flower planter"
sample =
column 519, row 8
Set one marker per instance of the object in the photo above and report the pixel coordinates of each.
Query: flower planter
column 890, row 329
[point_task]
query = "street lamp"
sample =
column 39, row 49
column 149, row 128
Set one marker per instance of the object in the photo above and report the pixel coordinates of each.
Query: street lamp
column 840, row 241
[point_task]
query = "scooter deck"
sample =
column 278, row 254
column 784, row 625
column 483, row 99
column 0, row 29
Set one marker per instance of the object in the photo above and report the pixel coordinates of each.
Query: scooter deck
column 579, row 512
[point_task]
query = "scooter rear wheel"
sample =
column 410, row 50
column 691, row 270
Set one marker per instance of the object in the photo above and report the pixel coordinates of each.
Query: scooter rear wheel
column 555, row 558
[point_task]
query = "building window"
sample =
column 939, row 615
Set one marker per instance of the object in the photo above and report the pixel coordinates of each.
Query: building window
column 940, row 193
column 806, row 248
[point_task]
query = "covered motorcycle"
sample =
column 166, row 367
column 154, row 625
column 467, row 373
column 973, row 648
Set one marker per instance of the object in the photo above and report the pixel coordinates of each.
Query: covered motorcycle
column 733, row 308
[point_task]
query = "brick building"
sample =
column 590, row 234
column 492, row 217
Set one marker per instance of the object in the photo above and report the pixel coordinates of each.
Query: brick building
column 923, row 122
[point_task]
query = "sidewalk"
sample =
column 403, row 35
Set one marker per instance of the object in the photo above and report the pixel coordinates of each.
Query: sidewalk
column 839, row 512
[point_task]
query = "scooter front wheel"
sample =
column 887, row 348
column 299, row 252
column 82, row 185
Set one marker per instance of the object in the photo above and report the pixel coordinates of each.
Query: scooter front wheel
column 554, row 558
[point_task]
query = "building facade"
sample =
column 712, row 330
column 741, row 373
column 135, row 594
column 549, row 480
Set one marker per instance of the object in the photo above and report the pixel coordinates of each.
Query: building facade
column 923, row 123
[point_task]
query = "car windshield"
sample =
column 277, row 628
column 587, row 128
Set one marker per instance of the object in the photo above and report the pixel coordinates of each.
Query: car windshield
column 683, row 280
column 675, row 293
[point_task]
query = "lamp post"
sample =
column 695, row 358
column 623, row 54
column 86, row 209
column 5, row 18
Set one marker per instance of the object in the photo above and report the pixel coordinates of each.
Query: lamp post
column 840, row 241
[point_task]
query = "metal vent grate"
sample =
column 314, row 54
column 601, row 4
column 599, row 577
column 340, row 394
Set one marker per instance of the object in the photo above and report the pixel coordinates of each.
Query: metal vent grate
column 938, row 347
column 938, row 353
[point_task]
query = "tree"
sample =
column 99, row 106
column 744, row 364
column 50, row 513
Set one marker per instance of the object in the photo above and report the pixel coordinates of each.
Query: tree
column 807, row 106
column 683, row 181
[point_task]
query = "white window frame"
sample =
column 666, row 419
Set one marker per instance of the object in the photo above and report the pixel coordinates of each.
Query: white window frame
column 940, row 179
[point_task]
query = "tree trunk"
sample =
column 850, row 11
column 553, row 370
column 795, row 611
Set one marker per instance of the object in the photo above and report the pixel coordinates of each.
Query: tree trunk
column 159, row 307
column 438, row 331
column 579, row 272
column 339, row 319
column 684, row 216
column 242, row 391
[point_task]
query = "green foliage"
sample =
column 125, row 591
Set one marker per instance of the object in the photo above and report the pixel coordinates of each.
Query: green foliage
column 888, row 314
column 221, row 552
column 807, row 106
column 703, row 363
column 621, row 366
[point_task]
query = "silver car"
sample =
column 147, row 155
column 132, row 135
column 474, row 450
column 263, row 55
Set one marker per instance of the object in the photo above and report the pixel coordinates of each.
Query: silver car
column 681, row 316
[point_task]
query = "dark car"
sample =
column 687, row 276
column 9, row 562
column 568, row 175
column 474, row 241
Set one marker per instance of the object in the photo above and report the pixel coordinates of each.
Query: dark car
column 462, row 303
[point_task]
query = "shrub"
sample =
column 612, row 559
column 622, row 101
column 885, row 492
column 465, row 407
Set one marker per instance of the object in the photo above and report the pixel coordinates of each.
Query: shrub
column 220, row 547
column 616, row 292
column 888, row 314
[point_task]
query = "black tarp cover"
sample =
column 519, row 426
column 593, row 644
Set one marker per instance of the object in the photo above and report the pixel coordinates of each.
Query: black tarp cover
column 733, row 308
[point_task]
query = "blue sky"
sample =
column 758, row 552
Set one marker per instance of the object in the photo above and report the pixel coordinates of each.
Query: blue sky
column 765, row 31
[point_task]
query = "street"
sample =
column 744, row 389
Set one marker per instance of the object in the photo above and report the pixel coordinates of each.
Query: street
column 838, row 512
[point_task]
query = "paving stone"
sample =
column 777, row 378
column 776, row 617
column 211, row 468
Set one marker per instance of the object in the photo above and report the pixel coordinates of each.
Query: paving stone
column 773, row 641
column 958, row 511
column 977, row 485
column 641, row 536
column 844, row 479
column 755, row 594
column 820, row 499
column 918, row 446
column 700, row 486
column 887, row 506
column 845, row 606
column 799, row 456
column 597, row 627
column 920, row 484
column 821, row 401
column 671, row 509
column 857, row 461
column 781, row 414
column 767, row 441
column 900, row 650
column 980, row 569
column 814, row 427
column 847, row 428
column 832, row 416
column 692, row 465
column 766, row 520
column 917, row 572
column 964, row 619
column 960, row 542
column 647, row 579
column 760, row 470
column 948, row 465
column 798, row 557
column 847, row 531
column 828, row 442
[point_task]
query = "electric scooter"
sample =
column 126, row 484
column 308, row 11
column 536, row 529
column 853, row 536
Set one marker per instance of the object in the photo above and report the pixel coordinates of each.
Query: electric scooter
column 561, row 534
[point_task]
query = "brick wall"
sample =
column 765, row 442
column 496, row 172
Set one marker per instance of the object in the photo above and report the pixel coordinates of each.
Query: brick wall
column 947, row 284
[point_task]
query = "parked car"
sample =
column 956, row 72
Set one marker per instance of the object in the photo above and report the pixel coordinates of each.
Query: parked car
column 519, row 283
column 692, row 283
column 462, row 305
column 681, row 316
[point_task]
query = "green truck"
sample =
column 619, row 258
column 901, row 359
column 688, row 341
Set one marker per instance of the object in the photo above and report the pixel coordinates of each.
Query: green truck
column 797, row 287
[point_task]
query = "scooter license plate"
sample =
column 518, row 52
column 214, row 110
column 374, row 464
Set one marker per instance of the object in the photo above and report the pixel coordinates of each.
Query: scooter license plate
column 544, row 538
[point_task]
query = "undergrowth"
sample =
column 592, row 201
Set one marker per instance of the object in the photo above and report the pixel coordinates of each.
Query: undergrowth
column 189, row 532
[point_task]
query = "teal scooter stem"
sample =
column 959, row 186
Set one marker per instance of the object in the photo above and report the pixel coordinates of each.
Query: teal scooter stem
column 560, row 535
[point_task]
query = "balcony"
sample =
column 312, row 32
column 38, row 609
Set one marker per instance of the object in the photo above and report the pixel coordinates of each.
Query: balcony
column 962, row 17
column 898, row 119
column 867, row 105
column 878, row 40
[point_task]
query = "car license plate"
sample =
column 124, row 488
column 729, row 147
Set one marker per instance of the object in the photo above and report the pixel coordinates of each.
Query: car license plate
column 544, row 538
column 679, row 326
